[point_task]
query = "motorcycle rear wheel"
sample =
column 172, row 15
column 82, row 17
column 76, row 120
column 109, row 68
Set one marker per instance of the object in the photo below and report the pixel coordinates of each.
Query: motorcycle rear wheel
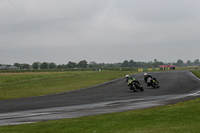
column 141, row 89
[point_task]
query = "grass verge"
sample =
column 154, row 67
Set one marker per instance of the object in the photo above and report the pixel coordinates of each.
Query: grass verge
column 196, row 73
column 18, row 85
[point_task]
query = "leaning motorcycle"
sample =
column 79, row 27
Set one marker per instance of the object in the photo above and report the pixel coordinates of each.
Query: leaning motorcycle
column 152, row 82
column 135, row 85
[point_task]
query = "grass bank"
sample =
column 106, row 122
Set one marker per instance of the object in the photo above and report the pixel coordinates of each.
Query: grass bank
column 18, row 85
column 183, row 117
column 196, row 73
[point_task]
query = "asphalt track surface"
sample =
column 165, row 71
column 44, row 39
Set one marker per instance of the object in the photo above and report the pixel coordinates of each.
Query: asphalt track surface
column 112, row 96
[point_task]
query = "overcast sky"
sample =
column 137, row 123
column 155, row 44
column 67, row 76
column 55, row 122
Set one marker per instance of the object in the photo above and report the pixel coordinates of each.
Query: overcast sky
column 108, row 31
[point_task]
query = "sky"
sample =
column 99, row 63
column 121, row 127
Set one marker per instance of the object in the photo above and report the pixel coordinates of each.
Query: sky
column 104, row 31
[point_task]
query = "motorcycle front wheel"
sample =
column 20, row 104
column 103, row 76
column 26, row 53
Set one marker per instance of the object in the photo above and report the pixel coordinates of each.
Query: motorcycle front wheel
column 134, row 88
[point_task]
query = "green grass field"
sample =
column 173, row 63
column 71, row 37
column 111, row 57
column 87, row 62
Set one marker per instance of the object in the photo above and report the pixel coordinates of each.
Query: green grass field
column 196, row 73
column 18, row 85
column 183, row 117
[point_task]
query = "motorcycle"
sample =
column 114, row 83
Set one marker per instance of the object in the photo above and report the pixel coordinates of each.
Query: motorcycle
column 152, row 82
column 135, row 85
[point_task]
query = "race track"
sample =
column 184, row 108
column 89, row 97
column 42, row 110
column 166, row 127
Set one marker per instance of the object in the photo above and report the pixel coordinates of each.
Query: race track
column 113, row 96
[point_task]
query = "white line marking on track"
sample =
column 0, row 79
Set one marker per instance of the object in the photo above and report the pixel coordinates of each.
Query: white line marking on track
column 194, row 76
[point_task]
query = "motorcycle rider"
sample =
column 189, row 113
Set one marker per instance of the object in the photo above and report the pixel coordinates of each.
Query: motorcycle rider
column 146, row 76
column 128, row 77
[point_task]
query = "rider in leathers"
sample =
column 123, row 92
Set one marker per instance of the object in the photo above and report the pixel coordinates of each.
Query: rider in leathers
column 130, row 78
column 146, row 76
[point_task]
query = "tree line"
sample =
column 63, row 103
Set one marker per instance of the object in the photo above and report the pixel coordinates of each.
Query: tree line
column 180, row 63
column 93, row 64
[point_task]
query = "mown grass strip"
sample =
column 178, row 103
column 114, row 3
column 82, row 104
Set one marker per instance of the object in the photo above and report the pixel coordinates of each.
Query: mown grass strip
column 35, row 84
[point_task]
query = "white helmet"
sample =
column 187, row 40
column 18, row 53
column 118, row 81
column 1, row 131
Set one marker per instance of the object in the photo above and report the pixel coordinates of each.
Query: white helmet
column 127, row 76
column 145, row 74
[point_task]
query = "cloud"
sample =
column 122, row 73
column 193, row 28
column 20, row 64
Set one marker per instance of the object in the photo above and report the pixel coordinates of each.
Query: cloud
column 88, row 26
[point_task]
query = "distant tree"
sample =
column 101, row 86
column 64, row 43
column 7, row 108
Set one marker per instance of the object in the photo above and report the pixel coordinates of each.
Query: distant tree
column 102, row 65
column 174, row 63
column 125, row 64
column 109, row 65
column 17, row 65
column 71, row 64
column 44, row 65
column 156, row 63
column 52, row 65
column 145, row 65
column 138, row 64
column 151, row 64
column 93, row 64
column 61, row 66
column 25, row 66
column 82, row 64
column 132, row 63
column 196, row 62
column 117, row 64
column 180, row 63
column 36, row 65
column 189, row 63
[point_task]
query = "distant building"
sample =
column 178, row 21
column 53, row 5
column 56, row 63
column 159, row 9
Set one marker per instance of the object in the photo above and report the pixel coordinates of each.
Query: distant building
column 9, row 67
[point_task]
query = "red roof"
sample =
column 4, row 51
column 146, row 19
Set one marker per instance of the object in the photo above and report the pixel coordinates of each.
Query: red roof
column 166, row 66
